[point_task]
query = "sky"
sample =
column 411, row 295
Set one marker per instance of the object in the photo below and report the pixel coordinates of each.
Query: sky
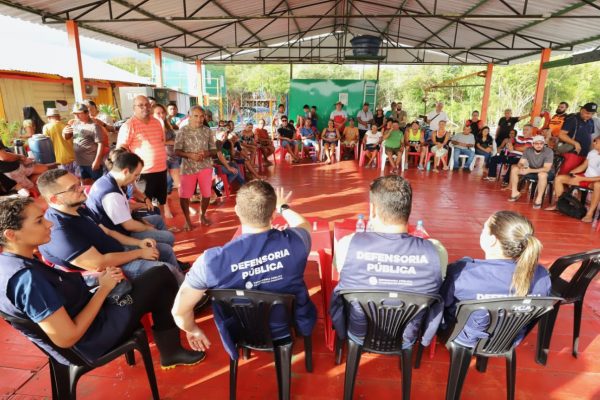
column 16, row 34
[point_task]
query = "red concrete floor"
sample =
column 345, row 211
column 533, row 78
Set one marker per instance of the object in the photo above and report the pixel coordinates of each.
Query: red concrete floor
column 453, row 207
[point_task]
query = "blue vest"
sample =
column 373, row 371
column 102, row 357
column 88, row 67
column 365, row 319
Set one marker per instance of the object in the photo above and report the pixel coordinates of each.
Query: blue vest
column 272, row 261
column 470, row 279
column 103, row 186
column 104, row 333
column 381, row 261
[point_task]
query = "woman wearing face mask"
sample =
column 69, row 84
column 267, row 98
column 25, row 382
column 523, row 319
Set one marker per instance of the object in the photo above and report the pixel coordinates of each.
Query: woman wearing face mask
column 510, row 268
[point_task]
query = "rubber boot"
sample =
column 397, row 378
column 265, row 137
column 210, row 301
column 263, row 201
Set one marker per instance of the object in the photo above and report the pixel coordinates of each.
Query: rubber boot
column 172, row 353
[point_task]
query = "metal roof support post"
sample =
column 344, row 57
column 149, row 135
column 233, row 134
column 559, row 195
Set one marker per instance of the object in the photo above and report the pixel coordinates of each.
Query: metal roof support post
column 200, row 83
column 486, row 93
column 158, row 67
column 78, row 81
column 541, row 84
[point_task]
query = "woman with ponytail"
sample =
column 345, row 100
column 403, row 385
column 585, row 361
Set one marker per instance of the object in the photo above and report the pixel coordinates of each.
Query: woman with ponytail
column 510, row 268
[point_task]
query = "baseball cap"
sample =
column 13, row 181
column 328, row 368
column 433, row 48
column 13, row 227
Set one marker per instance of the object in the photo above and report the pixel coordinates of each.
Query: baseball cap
column 79, row 108
column 590, row 107
column 539, row 138
column 52, row 112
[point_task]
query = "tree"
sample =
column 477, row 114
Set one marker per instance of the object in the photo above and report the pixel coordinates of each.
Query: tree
column 133, row 65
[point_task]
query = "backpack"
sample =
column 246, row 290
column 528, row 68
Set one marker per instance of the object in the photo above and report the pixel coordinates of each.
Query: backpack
column 570, row 206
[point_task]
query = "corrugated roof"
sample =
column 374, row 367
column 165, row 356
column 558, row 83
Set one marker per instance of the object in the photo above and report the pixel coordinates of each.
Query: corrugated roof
column 449, row 31
column 51, row 60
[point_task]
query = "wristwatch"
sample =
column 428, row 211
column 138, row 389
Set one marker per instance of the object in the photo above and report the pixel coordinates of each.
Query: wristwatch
column 283, row 207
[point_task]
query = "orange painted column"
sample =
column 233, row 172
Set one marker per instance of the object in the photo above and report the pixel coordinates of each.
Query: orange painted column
column 77, row 66
column 538, row 100
column 158, row 67
column 486, row 94
column 200, row 83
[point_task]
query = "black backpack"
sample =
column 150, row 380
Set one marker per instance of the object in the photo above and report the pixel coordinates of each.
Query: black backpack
column 567, row 204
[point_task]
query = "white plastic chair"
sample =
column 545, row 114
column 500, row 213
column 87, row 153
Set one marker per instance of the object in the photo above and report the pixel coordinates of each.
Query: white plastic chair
column 461, row 157
column 338, row 151
column 384, row 158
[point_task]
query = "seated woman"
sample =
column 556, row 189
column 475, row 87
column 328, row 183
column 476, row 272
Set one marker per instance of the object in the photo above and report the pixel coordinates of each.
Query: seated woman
column 585, row 175
column 349, row 140
column 414, row 139
column 439, row 147
column 330, row 136
column 241, row 156
column 223, row 159
column 510, row 268
column 62, row 305
column 24, row 171
column 265, row 144
column 248, row 142
column 372, row 144
column 484, row 145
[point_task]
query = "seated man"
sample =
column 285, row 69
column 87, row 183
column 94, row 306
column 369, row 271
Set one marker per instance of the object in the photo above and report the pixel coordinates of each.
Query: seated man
column 78, row 242
column 393, row 141
column 223, row 159
column 240, row 264
column 416, row 265
column 536, row 163
column 109, row 206
column 585, row 175
column 20, row 169
column 309, row 137
column 464, row 144
column 265, row 144
column 576, row 137
column 286, row 134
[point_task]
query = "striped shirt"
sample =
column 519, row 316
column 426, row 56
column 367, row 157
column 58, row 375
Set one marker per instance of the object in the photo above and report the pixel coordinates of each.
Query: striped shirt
column 147, row 140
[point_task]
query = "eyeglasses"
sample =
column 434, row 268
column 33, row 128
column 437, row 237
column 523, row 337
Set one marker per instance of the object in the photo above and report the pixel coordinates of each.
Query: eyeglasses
column 147, row 105
column 73, row 189
column 284, row 120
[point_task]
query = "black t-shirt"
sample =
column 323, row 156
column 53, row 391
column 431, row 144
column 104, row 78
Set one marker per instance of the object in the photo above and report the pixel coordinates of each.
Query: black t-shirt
column 505, row 125
column 378, row 121
column 286, row 132
column 8, row 166
column 487, row 143
column 474, row 127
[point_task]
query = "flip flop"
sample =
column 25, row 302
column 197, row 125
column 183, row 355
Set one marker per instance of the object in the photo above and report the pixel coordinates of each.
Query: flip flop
column 205, row 221
column 515, row 198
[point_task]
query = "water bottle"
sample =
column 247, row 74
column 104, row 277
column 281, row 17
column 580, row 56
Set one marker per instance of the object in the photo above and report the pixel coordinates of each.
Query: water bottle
column 370, row 227
column 360, row 224
column 420, row 230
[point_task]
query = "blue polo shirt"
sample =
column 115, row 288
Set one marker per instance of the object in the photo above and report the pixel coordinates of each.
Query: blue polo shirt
column 272, row 261
column 73, row 235
column 471, row 279
column 581, row 131
column 32, row 290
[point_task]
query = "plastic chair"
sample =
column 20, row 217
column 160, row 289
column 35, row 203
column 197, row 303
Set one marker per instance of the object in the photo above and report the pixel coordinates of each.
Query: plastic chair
column 572, row 292
column 337, row 151
column 224, row 179
column 384, row 158
column 461, row 157
column 509, row 317
column 251, row 310
column 66, row 372
column 387, row 313
column 361, row 160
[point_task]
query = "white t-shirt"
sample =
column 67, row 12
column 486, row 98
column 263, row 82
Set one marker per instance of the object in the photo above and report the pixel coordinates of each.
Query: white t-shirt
column 593, row 168
column 336, row 113
column 596, row 126
column 365, row 116
column 373, row 138
column 277, row 119
column 116, row 207
column 434, row 125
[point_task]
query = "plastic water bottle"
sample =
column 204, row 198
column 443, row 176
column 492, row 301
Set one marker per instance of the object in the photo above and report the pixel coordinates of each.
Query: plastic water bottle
column 420, row 230
column 370, row 226
column 360, row 224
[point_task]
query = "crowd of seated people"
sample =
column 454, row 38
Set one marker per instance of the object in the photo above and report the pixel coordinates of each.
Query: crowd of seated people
column 72, row 316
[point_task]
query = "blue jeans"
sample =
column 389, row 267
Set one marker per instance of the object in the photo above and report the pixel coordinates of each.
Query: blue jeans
column 457, row 152
column 161, row 234
column 231, row 176
column 137, row 267
column 486, row 156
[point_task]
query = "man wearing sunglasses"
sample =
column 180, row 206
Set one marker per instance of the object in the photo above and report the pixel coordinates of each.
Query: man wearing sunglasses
column 286, row 135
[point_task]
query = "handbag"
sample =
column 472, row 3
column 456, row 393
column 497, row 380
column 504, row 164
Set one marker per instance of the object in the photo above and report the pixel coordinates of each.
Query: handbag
column 568, row 205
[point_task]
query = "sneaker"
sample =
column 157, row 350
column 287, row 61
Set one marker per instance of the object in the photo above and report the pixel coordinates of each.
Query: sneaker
column 420, row 167
column 504, row 184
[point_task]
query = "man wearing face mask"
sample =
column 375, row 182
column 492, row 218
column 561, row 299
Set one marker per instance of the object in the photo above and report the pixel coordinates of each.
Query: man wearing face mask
column 417, row 265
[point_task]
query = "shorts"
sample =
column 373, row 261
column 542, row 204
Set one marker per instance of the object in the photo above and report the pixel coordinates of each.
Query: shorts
column 202, row 178
column 310, row 143
column 86, row 172
column 156, row 185
column 351, row 143
column 333, row 143
column 21, row 174
column 372, row 147
column 173, row 163
column 534, row 176
column 288, row 142
column 439, row 152
column 585, row 184
column 392, row 150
